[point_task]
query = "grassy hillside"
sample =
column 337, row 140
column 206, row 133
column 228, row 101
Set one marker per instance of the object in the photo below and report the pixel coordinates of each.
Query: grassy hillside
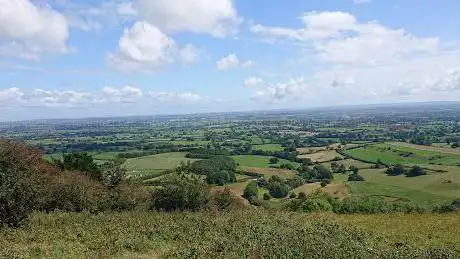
column 238, row 234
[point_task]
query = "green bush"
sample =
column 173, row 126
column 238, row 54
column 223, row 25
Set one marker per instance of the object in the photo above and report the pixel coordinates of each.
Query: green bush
column 17, row 196
column 355, row 178
column 278, row 190
column 251, row 190
column 415, row 171
column 225, row 199
column 179, row 192
column 220, row 177
column 80, row 162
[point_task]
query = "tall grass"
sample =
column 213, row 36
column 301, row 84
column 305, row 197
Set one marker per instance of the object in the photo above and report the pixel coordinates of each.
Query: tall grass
column 235, row 234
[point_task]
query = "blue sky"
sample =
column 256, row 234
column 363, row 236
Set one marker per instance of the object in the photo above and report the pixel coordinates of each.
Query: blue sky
column 84, row 58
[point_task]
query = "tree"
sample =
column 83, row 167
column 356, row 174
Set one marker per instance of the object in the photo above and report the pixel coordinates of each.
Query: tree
column 354, row 169
column 220, row 177
column 113, row 174
column 324, row 183
column 278, row 189
column 396, row 170
column 17, row 196
column 355, row 178
column 274, row 160
column 82, row 162
column 251, row 190
column 302, row 196
column 323, row 172
column 415, row 171
column 180, row 192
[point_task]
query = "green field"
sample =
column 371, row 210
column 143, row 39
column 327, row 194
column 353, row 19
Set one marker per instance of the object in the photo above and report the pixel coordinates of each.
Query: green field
column 394, row 154
column 154, row 164
column 258, row 161
column 268, row 147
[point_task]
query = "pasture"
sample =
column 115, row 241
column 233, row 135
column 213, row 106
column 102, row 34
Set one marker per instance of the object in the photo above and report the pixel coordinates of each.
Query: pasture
column 268, row 147
column 269, row 172
column 154, row 164
column 395, row 154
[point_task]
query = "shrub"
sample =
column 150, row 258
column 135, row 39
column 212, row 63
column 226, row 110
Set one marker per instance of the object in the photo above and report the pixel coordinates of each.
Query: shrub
column 292, row 195
column 415, row 171
column 251, row 190
column 220, row 177
column 81, row 162
column 267, row 196
column 113, row 174
column 396, row 170
column 355, row 178
column 324, row 183
column 17, row 196
column 181, row 192
column 278, row 190
column 224, row 199
column 274, row 160
column 354, row 169
column 302, row 196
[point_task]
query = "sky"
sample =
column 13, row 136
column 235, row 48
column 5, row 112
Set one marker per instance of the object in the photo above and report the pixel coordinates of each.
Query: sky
column 93, row 58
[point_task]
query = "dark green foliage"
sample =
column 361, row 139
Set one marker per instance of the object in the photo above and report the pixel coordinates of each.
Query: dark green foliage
column 113, row 174
column 278, row 189
column 302, row 196
column 179, row 192
column 220, row 178
column 81, row 162
column 294, row 182
column 315, row 174
column 415, row 171
column 322, row 172
column 355, row 178
column 206, row 153
column 396, row 170
column 251, row 190
column 267, row 196
column 292, row 195
column 274, row 160
column 287, row 166
column 324, row 183
column 354, row 169
column 17, row 195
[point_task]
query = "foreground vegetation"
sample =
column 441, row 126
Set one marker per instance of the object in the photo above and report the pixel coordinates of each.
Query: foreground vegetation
column 235, row 234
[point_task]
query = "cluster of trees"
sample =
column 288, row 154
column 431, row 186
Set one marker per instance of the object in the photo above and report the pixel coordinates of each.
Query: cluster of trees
column 401, row 170
column 218, row 170
column 316, row 174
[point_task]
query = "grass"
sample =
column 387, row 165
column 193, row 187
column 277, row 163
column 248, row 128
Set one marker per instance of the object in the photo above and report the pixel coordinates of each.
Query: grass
column 396, row 193
column 259, row 161
column 339, row 190
column 269, row 172
column 235, row 234
column 154, row 164
column 349, row 162
column 268, row 147
column 322, row 156
column 393, row 154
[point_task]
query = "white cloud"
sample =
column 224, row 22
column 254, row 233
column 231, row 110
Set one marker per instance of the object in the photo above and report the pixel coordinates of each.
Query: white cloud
column 338, row 37
column 317, row 25
column 124, row 94
column 10, row 94
column 189, row 54
column 216, row 17
column 175, row 96
column 253, row 81
column 294, row 89
column 28, row 31
column 143, row 48
column 232, row 61
column 447, row 81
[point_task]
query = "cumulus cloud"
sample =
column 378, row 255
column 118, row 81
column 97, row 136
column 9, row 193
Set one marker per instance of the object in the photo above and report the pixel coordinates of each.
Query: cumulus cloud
column 59, row 98
column 10, row 94
column 295, row 88
column 28, row 31
column 124, row 94
column 175, row 96
column 232, row 61
column 253, row 81
column 216, row 17
column 142, row 48
column 338, row 37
